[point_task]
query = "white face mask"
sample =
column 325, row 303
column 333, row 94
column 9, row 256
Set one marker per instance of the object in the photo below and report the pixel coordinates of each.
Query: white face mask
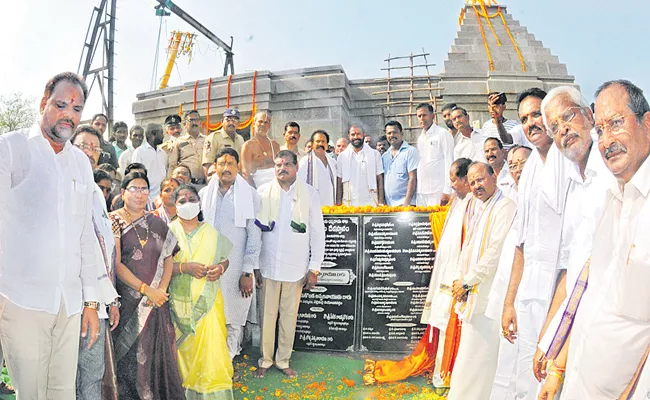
column 188, row 210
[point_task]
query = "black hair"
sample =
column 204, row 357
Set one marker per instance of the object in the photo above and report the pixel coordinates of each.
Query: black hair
column 449, row 106
column 636, row 102
column 190, row 112
column 382, row 138
column 85, row 129
column 136, row 128
column 227, row 151
column 534, row 92
column 135, row 165
column 393, row 123
column 496, row 140
column 428, row 106
column 191, row 189
column 166, row 181
column 287, row 154
column 65, row 76
column 291, row 124
column 131, row 176
column 107, row 167
column 320, row 132
column 461, row 109
column 462, row 165
column 120, row 124
column 99, row 115
column 487, row 166
column 99, row 175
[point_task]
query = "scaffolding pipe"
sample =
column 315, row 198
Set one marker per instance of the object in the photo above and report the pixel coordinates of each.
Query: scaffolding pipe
column 172, row 59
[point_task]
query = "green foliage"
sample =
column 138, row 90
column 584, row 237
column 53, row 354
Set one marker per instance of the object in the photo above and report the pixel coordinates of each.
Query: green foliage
column 16, row 111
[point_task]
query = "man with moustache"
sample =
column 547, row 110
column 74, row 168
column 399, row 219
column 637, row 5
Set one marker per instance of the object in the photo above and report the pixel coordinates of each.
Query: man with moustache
column 468, row 141
column 318, row 168
column 535, row 270
column 136, row 134
column 90, row 369
column 436, row 149
column 259, row 152
column 496, row 158
column 400, row 167
column 291, row 139
column 341, row 144
column 173, row 131
column 153, row 158
column 488, row 225
column 188, row 148
column 569, row 120
column 100, row 122
column 293, row 247
column 360, row 173
column 610, row 333
column 227, row 136
column 446, row 116
column 46, row 295
column 230, row 204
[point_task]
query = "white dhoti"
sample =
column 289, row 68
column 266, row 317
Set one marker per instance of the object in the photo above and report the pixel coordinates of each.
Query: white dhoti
column 476, row 361
column 263, row 176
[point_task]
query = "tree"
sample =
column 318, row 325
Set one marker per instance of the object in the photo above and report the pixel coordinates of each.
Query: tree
column 16, row 111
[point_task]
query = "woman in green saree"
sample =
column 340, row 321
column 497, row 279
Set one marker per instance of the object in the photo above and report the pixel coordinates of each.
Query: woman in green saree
column 197, row 303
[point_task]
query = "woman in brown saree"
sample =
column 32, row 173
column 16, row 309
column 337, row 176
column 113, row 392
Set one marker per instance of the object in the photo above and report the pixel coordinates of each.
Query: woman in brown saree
column 145, row 348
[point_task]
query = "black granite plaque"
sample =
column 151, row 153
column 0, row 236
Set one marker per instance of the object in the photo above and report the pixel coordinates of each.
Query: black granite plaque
column 397, row 260
column 328, row 313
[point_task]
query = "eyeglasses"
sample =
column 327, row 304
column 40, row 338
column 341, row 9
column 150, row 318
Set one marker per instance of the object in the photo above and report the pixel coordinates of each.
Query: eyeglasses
column 183, row 173
column 613, row 124
column 105, row 189
column 87, row 147
column 566, row 117
column 136, row 189
column 516, row 165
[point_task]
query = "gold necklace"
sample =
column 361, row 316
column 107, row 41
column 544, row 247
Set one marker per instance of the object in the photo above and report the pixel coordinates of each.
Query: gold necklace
column 260, row 143
column 146, row 239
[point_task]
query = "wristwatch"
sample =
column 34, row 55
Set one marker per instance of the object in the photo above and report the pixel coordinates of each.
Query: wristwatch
column 92, row 305
column 115, row 303
column 466, row 287
column 313, row 271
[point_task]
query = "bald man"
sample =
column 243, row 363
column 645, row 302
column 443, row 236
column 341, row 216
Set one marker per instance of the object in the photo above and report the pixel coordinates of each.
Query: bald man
column 258, row 153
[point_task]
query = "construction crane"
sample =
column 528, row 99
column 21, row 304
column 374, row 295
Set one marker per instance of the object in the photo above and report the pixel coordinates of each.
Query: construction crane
column 101, row 34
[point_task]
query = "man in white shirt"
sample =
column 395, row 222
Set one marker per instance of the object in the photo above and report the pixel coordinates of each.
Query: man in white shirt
column 496, row 158
column 90, row 370
column 569, row 119
column 611, row 331
column 136, row 134
column 488, row 226
column 510, row 132
column 153, row 158
column 291, row 138
column 359, row 172
column 318, row 168
column 293, row 248
column 468, row 141
column 534, row 269
column 43, row 292
column 436, row 149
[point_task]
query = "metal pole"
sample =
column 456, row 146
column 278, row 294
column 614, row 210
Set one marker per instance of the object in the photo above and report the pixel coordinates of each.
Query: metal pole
column 111, row 66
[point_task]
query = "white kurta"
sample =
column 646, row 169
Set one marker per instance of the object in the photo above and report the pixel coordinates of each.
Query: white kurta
column 436, row 150
column 611, row 331
column 470, row 147
column 155, row 161
column 323, row 177
column 357, row 190
column 506, row 183
column 476, row 360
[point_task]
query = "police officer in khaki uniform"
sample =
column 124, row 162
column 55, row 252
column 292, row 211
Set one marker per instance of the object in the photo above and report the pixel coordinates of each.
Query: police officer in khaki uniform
column 227, row 136
column 188, row 148
column 172, row 132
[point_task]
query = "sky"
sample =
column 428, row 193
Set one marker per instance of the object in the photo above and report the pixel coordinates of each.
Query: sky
column 598, row 40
